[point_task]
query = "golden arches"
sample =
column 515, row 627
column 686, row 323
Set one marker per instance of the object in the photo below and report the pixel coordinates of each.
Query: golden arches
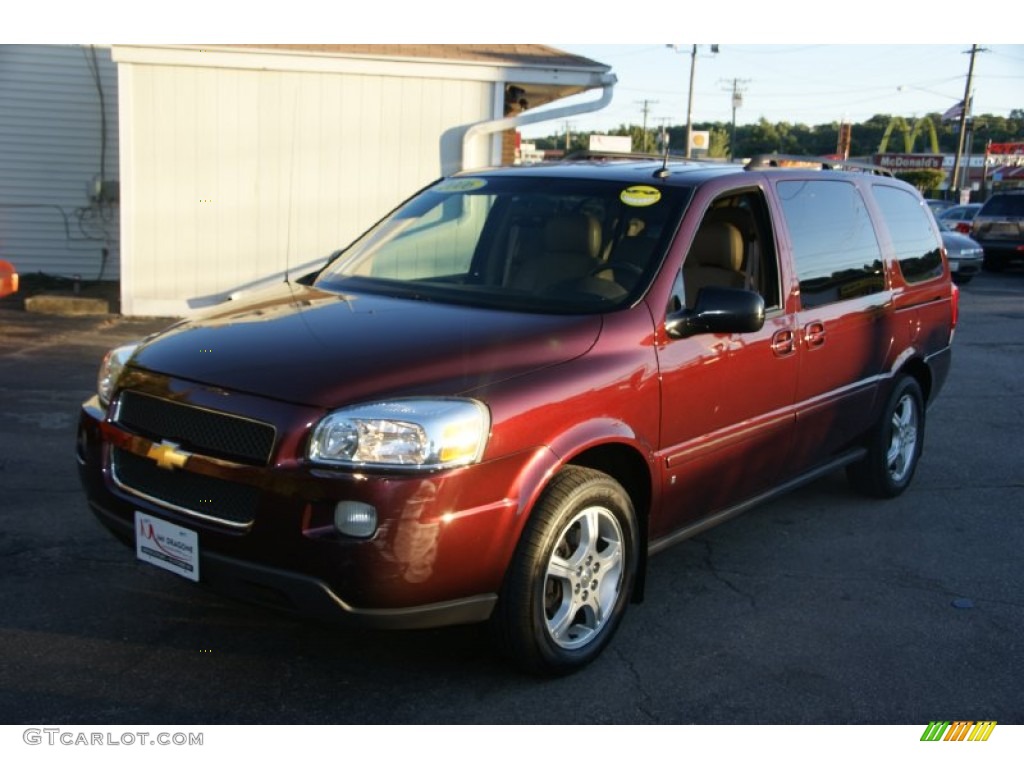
column 910, row 133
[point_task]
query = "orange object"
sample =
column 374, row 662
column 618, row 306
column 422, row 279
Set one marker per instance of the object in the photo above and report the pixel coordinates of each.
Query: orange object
column 8, row 279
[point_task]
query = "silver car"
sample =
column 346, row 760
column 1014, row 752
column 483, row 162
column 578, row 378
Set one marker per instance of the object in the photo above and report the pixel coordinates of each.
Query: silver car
column 964, row 254
column 958, row 218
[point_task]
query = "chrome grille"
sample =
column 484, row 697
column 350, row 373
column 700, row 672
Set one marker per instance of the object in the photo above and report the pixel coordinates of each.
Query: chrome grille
column 196, row 430
column 205, row 497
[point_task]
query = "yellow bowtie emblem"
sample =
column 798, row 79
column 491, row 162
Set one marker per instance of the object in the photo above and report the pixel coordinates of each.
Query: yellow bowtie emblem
column 167, row 456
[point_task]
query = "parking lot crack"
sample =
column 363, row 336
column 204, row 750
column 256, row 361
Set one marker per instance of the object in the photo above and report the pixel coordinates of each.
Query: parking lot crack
column 719, row 576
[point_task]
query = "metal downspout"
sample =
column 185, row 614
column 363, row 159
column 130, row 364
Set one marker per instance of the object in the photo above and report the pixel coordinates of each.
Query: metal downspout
column 475, row 130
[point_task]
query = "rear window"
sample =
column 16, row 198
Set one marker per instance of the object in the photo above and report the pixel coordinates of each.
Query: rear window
column 915, row 244
column 1004, row 205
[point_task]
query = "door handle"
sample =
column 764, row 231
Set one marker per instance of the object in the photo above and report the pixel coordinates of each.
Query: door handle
column 783, row 343
column 814, row 334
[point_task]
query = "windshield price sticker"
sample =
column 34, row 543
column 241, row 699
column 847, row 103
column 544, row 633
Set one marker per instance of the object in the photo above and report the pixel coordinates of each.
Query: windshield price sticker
column 640, row 196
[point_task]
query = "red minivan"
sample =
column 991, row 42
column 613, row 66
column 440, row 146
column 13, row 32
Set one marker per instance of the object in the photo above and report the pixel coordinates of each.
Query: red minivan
column 503, row 398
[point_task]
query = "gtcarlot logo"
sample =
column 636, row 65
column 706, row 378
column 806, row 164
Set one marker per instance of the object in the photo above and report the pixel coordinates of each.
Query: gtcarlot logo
column 68, row 738
column 959, row 730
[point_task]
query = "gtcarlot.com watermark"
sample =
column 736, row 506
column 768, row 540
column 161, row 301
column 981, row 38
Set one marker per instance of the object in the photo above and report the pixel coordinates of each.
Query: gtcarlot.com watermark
column 54, row 737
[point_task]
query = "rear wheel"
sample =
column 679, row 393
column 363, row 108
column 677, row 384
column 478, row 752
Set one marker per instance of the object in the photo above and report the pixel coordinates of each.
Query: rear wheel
column 894, row 446
column 572, row 575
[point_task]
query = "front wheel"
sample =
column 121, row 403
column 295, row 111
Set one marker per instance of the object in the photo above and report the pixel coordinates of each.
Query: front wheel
column 572, row 575
column 894, row 445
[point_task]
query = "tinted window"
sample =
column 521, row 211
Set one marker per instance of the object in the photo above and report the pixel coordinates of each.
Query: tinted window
column 1004, row 205
column 837, row 254
column 914, row 242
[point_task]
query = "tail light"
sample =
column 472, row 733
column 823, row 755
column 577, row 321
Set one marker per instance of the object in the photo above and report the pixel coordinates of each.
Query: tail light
column 955, row 308
column 963, row 227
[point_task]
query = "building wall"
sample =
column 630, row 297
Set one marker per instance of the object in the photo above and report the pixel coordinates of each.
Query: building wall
column 52, row 140
column 230, row 176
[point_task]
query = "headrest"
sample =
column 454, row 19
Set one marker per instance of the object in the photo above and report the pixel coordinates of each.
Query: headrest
column 577, row 233
column 718, row 244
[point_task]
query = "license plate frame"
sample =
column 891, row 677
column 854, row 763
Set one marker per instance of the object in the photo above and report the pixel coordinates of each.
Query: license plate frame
column 166, row 545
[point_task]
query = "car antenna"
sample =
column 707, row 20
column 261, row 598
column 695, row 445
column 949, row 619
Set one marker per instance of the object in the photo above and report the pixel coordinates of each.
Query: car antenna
column 663, row 173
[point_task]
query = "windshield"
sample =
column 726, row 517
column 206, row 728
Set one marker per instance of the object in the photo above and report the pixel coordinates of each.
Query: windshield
column 526, row 243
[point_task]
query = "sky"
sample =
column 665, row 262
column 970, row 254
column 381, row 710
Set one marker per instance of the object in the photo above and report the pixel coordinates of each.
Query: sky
column 796, row 83
column 830, row 63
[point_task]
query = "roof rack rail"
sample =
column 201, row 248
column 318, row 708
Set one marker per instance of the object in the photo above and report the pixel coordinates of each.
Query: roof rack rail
column 597, row 154
column 807, row 161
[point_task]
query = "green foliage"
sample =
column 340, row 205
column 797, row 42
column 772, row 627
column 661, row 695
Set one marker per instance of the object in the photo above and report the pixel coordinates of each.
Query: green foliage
column 799, row 139
column 926, row 180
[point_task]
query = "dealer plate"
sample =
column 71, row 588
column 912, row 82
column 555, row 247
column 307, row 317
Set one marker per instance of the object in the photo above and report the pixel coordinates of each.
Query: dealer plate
column 167, row 546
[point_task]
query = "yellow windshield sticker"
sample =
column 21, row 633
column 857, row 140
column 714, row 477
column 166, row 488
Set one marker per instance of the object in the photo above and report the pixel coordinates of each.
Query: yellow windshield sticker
column 641, row 196
column 459, row 185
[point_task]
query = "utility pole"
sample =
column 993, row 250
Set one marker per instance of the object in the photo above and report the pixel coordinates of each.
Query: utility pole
column 645, row 110
column 966, row 107
column 689, row 105
column 689, row 101
column 568, row 134
column 737, row 101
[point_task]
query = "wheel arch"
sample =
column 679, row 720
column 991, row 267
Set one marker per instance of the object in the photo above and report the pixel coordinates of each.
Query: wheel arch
column 922, row 373
column 627, row 466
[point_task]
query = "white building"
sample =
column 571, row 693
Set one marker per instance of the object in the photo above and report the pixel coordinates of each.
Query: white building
column 239, row 163
column 192, row 172
column 58, row 144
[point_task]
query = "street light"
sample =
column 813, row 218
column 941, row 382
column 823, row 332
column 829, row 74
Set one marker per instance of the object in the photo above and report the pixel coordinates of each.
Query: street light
column 689, row 101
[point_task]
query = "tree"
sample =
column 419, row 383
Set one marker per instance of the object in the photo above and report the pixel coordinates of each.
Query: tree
column 926, row 180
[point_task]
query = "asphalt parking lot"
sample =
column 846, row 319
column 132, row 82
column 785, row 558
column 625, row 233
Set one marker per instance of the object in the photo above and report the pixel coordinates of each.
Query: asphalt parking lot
column 820, row 608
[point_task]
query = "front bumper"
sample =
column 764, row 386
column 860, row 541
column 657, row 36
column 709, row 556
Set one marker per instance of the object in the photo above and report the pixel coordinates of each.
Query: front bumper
column 438, row 557
column 309, row 596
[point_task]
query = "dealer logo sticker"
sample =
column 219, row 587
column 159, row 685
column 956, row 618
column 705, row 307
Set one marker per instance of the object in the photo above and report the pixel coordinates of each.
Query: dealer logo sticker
column 459, row 185
column 167, row 546
column 640, row 196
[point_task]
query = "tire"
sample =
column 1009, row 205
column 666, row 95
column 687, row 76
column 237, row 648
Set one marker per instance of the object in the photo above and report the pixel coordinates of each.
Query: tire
column 572, row 574
column 894, row 445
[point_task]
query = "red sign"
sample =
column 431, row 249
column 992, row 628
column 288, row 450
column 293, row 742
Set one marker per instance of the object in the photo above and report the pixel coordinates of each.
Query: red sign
column 1006, row 148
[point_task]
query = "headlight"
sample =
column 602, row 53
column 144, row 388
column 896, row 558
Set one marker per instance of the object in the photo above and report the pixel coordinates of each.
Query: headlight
column 413, row 433
column 110, row 371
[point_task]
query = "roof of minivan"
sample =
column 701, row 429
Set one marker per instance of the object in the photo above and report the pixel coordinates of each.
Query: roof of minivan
column 655, row 170
column 632, row 171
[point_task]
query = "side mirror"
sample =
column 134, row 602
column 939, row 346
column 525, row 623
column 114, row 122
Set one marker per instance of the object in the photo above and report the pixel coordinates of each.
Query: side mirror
column 718, row 310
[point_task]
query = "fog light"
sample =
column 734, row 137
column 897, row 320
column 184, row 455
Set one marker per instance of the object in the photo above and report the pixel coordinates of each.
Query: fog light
column 353, row 518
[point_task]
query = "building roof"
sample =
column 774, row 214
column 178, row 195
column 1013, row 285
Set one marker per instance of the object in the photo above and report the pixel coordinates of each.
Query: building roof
column 499, row 54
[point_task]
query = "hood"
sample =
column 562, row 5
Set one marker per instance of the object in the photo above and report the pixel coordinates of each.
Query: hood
column 305, row 345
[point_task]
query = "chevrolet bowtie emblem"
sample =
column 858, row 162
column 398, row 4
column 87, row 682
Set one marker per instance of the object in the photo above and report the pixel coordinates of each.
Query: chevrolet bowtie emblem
column 167, row 456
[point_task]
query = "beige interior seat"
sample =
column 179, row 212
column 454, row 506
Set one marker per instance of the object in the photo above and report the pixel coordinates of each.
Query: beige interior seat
column 570, row 249
column 715, row 259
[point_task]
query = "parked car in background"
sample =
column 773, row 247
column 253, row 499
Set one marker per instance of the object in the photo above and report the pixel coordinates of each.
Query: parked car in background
column 938, row 206
column 958, row 218
column 964, row 254
column 999, row 228
column 8, row 279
